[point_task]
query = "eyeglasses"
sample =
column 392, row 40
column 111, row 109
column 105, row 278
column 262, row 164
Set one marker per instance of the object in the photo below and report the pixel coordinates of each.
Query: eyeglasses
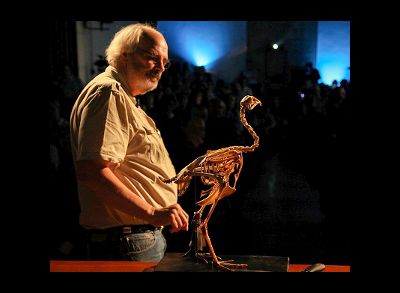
column 154, row 58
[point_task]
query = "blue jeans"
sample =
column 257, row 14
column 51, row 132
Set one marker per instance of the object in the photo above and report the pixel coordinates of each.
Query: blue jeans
column 147, row 245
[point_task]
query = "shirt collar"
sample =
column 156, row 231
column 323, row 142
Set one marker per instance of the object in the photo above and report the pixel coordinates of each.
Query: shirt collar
column 114, row 73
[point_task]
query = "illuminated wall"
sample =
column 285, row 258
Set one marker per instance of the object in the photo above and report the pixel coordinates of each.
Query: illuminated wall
column 93, row 42
column 333, row 51
column 220, row 46
column 224, row 47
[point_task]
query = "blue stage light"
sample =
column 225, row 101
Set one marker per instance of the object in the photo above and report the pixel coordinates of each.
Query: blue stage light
column 201, row 43
column 333, row 51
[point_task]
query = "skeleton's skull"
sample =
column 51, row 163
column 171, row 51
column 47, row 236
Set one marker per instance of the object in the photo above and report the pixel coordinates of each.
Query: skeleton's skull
column 249, row 102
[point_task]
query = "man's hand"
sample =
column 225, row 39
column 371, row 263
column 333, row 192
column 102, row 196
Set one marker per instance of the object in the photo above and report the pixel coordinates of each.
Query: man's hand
column 172, row 215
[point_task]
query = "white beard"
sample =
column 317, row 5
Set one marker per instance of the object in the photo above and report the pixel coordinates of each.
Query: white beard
column 145, row 83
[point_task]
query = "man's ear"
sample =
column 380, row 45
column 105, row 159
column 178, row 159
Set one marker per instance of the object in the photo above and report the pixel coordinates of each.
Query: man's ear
column 124, row 57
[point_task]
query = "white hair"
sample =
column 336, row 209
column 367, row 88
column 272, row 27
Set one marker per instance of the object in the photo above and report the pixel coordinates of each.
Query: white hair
column 125, row 40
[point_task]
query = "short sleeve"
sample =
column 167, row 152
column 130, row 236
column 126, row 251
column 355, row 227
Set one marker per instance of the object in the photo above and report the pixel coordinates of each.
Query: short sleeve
column 103, row 131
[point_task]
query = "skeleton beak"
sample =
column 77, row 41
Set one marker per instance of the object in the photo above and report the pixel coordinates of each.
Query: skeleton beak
column 250, row 102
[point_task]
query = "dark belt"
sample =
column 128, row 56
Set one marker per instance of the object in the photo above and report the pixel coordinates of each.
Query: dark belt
column 120, row 230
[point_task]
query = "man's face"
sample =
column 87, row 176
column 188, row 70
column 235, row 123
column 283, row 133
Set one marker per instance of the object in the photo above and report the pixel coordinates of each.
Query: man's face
column 146, row 65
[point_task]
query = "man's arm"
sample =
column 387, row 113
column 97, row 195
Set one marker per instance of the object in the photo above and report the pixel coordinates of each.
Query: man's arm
column 97, row 176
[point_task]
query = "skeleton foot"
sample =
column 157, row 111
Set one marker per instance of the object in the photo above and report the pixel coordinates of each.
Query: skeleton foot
column 205, row 256
column 230, row 267
column 225, row 265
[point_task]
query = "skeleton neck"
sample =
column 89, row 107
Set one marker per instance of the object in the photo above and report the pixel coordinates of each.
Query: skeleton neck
column 255, row 144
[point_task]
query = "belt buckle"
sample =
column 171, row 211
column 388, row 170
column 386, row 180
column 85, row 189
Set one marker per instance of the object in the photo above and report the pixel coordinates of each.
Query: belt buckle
column 126, row 230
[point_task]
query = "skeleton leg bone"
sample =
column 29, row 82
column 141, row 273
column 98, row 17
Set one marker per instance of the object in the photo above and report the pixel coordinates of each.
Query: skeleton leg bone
column 201, row 228
column 222, row 264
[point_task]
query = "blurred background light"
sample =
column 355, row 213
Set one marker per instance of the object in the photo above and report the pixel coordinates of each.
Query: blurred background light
column 200, row 43
column 333, row 51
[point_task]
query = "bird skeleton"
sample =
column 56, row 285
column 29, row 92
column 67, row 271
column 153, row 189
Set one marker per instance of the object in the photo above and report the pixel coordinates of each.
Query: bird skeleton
column 215, row 168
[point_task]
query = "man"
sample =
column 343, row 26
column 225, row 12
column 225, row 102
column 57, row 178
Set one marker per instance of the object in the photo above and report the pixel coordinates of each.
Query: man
column 119, row 154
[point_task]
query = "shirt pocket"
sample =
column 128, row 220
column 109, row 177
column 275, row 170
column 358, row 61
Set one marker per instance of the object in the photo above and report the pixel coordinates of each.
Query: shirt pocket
column 153, row 143
column 156, row 152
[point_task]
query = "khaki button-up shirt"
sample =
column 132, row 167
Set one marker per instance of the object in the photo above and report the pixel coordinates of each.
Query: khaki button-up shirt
column 107, row 124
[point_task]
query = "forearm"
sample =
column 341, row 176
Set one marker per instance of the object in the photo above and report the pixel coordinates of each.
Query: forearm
column 100, row 179
column 97, row 176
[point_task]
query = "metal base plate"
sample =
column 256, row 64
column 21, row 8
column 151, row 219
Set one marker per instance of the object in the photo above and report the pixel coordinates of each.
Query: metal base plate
column 176, row 262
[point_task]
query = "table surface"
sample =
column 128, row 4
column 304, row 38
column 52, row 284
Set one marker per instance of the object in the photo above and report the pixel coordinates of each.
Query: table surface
column 131, row 266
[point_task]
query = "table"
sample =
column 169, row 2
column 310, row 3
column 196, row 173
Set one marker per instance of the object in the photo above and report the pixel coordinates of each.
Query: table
column 128, row 266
